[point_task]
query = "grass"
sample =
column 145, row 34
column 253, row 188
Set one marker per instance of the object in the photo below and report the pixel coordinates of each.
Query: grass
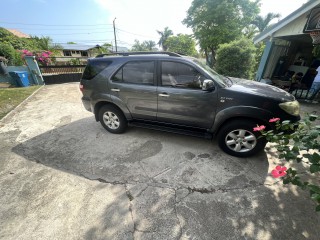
column 12, row 97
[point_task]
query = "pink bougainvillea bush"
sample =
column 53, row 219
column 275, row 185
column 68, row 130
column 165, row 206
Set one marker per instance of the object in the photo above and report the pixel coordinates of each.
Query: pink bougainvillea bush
column 299, row 142
column 43, row 57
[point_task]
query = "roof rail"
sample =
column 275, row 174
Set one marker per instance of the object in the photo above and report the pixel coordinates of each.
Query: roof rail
column 171, row 54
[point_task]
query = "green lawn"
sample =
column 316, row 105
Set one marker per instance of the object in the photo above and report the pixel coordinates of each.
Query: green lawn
column 12, row 97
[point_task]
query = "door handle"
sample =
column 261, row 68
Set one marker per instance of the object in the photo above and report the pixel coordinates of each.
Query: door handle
column 164, row 95
column 115, row 89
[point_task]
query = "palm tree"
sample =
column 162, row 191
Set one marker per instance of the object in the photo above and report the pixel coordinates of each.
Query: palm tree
column 45, row 43
column 150, row 45
column 262, row 23
column 163, row 37
column 250, row 31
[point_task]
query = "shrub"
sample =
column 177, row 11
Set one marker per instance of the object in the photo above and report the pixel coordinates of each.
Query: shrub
column 236, row 59
column 43, row 57
column 302, row 146
column 8, row 52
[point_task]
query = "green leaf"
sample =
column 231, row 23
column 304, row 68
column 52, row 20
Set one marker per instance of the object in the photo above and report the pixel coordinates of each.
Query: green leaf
column 297, row 182
column 318, row 208
column 314, row 188
column 286, row 141
column 315, row 196
column 286, row 181
column 314, row 158
column 314, row 168
column 312, row 117
column 314, row 134
column 295, row 149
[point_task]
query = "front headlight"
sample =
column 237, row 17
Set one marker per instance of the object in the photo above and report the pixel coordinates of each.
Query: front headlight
column 292, row 108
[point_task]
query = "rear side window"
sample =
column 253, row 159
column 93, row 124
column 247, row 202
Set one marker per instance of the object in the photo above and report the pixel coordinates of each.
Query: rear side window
column 140, row 72
column 93, row 68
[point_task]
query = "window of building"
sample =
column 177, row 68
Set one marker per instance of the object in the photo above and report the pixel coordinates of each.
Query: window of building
column 66, row 53
column 84, row 53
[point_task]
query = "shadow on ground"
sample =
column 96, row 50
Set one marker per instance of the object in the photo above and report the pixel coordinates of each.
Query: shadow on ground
column 174, row 187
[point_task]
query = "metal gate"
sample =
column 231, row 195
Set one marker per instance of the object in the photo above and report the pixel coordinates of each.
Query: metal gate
column 61, row 74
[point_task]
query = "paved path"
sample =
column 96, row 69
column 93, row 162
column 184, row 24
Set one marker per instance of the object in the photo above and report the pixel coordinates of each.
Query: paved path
column 62, row 176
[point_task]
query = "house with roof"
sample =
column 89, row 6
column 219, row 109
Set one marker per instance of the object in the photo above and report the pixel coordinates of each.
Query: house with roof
column 78, row 50
column 18, row 34
column 291, row 47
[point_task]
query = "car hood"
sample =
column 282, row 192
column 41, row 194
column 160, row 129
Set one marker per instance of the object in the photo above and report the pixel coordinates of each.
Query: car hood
column 260, row 89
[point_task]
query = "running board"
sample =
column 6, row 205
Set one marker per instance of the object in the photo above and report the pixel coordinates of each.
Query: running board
column 188, row 132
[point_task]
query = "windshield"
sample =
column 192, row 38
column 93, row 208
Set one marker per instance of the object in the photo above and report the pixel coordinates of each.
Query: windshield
column 220, row 79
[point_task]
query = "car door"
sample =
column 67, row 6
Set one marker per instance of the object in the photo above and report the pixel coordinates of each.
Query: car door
column 180, row 97
column 133, row 85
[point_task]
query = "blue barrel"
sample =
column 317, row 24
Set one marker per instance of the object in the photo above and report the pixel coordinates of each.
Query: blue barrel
column 21, row 78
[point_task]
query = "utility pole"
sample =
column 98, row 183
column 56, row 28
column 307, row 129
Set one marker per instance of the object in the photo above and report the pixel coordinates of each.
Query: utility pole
column 114, row 32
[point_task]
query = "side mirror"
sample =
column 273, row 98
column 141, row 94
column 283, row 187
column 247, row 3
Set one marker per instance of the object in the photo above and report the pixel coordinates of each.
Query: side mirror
column 207, row 85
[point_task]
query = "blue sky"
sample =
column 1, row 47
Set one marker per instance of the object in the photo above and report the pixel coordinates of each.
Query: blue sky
column 90, row 21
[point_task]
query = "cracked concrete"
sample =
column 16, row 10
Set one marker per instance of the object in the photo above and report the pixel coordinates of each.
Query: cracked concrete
column 63, row 176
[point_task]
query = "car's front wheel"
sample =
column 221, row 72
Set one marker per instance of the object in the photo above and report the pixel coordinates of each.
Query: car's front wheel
column 237, row 138
column 112, row 119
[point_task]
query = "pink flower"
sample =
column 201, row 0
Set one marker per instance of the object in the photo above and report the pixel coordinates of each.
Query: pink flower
column 274, row 120
column 259, row 128
column 279, row 171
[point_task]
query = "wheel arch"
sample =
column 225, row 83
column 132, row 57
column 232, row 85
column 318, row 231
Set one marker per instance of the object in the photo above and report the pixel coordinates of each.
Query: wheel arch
column 100, row 104
column 257, row 115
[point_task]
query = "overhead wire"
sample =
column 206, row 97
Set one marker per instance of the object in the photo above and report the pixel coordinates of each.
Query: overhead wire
column 55, row 25
column 119, row 32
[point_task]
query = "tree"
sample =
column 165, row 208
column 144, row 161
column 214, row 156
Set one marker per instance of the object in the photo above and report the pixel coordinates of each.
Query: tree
column 144, row 46
column 215, row 22
column 250, row 31
column 13, row 56
column 16, row 42
column 236, row 59
column 150, row 45
column 262, row 23
column 182, row 43
column 163, row 37
column 46, row 44
column 137, row 46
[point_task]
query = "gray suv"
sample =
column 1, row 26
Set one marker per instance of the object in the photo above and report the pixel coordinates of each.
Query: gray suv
column 170, row 92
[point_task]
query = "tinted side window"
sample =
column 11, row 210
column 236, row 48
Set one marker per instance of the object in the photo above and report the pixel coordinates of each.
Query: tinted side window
column 93, row 68
column 141, row 72
column 180, row 75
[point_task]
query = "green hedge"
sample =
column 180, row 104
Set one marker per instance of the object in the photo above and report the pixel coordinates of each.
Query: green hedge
column 236, row 59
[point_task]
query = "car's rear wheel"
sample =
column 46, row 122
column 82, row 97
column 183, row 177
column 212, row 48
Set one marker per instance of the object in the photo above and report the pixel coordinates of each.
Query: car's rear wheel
column 112, row 119
column 237, row 138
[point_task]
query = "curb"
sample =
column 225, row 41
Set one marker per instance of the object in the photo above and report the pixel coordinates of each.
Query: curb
column 13, row 111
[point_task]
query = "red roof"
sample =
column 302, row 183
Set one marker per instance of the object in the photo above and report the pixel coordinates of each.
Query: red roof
column 18, row 33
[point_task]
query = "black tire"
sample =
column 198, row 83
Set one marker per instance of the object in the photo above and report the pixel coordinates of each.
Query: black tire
column 112, row 119
column 237, row 138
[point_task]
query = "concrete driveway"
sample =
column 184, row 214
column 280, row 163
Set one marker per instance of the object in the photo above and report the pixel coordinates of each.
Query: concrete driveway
column 62, row 176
